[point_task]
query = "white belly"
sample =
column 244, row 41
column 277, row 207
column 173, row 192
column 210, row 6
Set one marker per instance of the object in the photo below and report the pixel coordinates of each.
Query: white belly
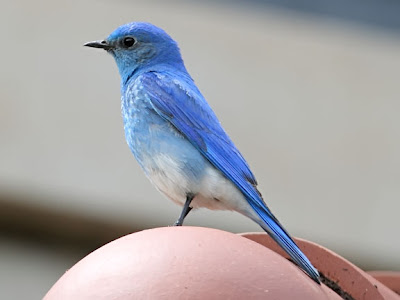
column 212, row 190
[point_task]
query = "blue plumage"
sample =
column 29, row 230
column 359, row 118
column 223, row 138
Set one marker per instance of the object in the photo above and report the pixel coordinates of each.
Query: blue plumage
column 176, row 137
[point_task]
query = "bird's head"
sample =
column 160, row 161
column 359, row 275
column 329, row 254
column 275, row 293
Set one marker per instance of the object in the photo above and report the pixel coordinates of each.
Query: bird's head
column 136, row 46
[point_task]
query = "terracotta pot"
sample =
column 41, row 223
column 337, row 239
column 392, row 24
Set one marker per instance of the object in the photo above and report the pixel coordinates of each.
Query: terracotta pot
column 186, row 263
column 389, row 278
column 351, row 279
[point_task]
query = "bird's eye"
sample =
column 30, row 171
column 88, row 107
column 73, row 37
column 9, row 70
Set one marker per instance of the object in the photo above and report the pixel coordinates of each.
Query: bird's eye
column 128, row 42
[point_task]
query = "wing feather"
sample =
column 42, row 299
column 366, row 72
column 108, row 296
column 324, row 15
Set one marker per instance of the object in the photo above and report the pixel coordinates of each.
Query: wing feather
column 189, row 113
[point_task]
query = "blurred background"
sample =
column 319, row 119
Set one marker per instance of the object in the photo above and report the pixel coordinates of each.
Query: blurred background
column 308, row 90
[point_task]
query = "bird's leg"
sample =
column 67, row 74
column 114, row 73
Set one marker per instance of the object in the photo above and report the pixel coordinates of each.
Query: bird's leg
column 186, row 209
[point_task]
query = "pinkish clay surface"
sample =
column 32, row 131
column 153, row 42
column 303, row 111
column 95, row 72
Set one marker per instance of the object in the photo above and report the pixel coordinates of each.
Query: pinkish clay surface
column 185, row 263
column 351, row 279
column 391, row 279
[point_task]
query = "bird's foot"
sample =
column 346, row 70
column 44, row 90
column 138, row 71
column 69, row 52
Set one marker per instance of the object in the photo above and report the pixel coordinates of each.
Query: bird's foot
column 177, row 223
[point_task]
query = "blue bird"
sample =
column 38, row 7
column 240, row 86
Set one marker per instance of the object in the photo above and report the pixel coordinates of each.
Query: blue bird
column 176, row 137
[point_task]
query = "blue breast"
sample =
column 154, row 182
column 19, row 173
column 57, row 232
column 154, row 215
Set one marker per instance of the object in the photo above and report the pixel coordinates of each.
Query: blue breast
column 149, row 135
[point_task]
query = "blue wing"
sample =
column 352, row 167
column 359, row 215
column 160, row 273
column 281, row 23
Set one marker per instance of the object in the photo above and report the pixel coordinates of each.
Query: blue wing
column 184, row 106
column 180, row 102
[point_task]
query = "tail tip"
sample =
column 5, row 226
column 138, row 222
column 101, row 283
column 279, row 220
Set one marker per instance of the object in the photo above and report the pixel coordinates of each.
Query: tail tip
column 314, row 275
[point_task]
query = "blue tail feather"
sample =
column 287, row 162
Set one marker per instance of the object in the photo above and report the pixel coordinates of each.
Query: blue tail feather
column 272, row 226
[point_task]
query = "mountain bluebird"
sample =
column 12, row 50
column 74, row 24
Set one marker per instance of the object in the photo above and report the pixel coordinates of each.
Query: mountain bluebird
column 176, row 137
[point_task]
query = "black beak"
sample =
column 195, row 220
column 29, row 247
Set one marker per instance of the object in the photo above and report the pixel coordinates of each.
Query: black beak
column 99, row 44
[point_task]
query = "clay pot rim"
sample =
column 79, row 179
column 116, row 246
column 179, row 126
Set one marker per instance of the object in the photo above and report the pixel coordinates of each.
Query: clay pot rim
column 354, row 281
